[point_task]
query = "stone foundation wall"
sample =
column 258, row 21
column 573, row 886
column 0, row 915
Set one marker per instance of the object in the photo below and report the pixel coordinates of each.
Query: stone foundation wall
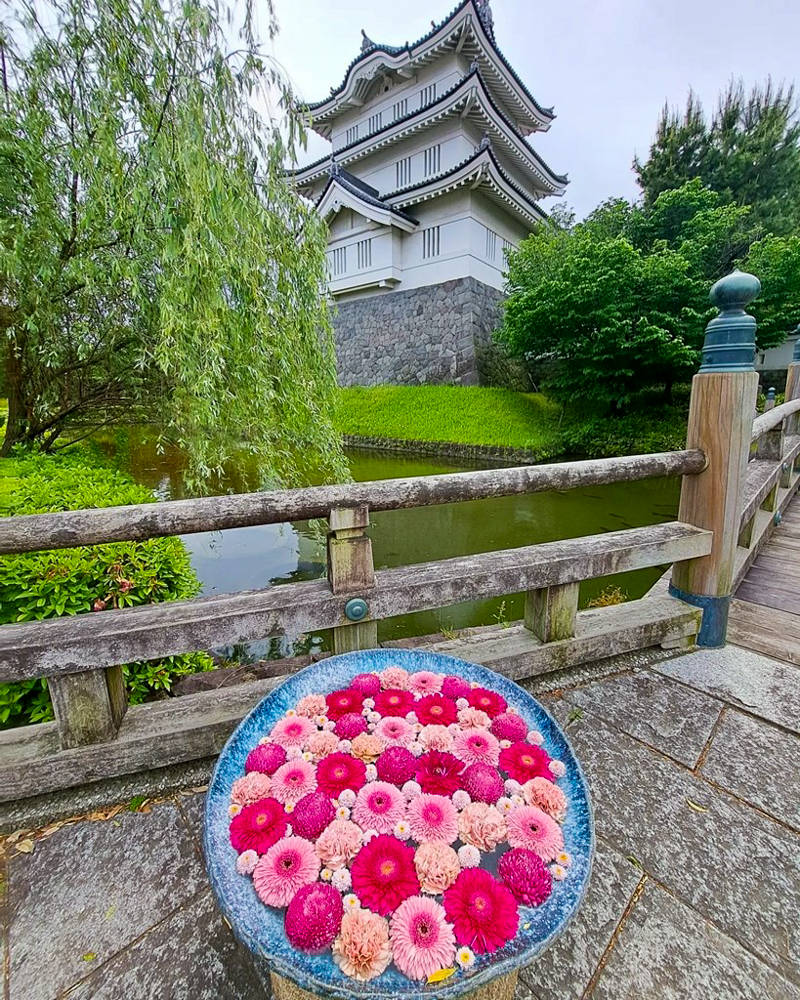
column 435, row 334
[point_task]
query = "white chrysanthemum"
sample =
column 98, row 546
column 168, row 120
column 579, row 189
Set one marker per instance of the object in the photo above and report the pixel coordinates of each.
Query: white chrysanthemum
column 517, row 800
column 505, row 805
column 292, row 753
column 246, row 862
column 374, row 717
column 465, row 958
column 343, row 813
column 264, row 740
column 461, row 799
column 535, row 737
column 558, row 768
column 369, row 703
column 412, row 718
column 234, row 809
column 368, row 835
column 402, row 830
column 329, row 726
column 410, row 789
column 512, row 787
column 290, row 713
column 289, row 832
column 320, row 720
column 371, row 772
column 564, row 859
column 558, row 872
column 351, row 902
column 326, row 874
column 505, row 744
column 289, row 807
column 344, row 746
column 417, row 748
column 341, row 880
column 461, row 704
column 347, row 797
column 307, row 755
column 469, row 856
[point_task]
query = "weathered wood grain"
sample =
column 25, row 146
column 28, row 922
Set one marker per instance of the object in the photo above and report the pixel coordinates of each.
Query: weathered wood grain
column 766, row 421
column 89, row 706
column 550, row 613
column 66, row 529
column 763, row 532
column 351, row 571
column 70, row 645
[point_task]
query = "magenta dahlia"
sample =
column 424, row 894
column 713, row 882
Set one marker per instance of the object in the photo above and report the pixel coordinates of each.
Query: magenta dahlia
column 524, row 761
column 258, row 826
column 422, row 940
column 476, row 746
column 482, row 911
column 509, row 727
column 487, row 701
column 338, row 771
column 383, row 874
column 343, row 702
column 351, row 725
column 396, row 765
column 368, row 684
column 394, row 702
column 455, row 687
column 526, row 876
column 439, row 773
column 287, row 866
column 313, row 917
column 379, row 806
column 530, row 827
column 435, row 709
column 266, row 758
column 483, row 783
column 312, row 814
column 432, row 817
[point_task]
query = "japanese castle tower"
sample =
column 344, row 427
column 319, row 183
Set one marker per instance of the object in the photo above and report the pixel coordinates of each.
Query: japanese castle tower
column 431, row 176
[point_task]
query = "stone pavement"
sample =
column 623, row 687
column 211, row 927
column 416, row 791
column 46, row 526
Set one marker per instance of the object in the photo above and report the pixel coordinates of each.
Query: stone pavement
column 695, row 776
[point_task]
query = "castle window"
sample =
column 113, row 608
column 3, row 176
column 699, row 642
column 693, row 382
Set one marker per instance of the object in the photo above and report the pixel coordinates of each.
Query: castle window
column 352, row 135
column 400, row 109
column 339, row 261
column 375, row 121
column 364, row 248
column 432, row 160
column 431, row 242
column 491, row 245
column 427, row 95
column 403, row 171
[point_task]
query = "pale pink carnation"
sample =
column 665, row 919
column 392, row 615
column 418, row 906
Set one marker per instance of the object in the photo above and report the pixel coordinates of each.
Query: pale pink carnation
column 422, row 940
column 311, row 705
column 437, row 866
column 473, row 718
column 292, row 731
column 547, row 796
column 366, row 746
column 432, row 817
column 482, row 825
column 531, row 828
column 477, row 746
column 379, row 806
column 394, row 732
column 338, row 844
column 293, row 781
column 394, row 677
column 286, row 867
column 425, row 682
column 436, row 737
column 362, row 949
column 558, row 768
column 251, row 788
column 321, row 744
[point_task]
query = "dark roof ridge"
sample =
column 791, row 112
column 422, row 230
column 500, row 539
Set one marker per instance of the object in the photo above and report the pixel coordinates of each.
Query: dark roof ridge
column 344, row 180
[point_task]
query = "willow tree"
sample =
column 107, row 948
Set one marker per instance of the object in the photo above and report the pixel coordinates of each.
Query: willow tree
column 155, row 263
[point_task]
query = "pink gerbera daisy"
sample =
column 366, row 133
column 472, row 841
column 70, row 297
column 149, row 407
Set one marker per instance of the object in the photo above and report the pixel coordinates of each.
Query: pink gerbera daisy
column 266, row 758
column 422, row 940
column 312, row 814
column 483, row 783
column 396, row 765
column 314, row 917
column 476, row 746
column 258, row 826
column 395, row 732
column 349, row 726
column 433, row 817
column 294, row 780
column 394, row 702
column 368, row 684
column 292, row 731
column 509, row 726
column 425, row 682
column 435, row 709
column 383, row 874
column 455, row 687
column 338, row 771
column 379, row 806
column 394, row 677
column 526, row 876
column 287, row 866
column 362, row 949
column 531, row 828
column 524, row 761
column 482, row 911
column 547, row 796
column 343, row 702
column 487, row 701
column 439, row 773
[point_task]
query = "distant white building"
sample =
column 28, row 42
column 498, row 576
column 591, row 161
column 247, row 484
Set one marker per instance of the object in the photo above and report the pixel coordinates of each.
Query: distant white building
column 430, row 178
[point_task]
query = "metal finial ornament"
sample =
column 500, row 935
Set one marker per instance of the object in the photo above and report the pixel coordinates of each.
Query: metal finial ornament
column 730, row 343
column 771, row 393
column 486, row 16
column 796, row 355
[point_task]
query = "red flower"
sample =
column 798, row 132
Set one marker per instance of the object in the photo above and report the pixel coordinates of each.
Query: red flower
column 383, row 874
column 439, row 773
column 338, row 771
column 487, row 701
column 482, row 911
column 524, row 761
column 343, row 702
column 258, row 826
column 436, row 710
column 394, row 702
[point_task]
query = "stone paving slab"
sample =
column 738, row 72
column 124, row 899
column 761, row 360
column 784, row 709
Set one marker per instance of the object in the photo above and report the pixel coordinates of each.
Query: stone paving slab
column 662, row 713
column 756, row 683
column 759, row 763
column 565, row 969
column 665, row 951
column 91, row 889
column 736, row 867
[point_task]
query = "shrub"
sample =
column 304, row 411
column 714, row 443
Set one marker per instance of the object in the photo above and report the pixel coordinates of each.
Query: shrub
column 40, row 585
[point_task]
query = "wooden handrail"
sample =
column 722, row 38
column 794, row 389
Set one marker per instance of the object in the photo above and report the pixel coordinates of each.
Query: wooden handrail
column 765, row 422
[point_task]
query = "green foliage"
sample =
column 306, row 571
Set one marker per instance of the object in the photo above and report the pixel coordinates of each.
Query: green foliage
column 42, row 585
column 749, row 153
column 155, row 262
column 776, row 261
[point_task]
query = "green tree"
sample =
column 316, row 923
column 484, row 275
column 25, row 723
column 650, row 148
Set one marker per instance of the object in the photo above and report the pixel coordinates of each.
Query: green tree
column 775, row 260
column 155, row 263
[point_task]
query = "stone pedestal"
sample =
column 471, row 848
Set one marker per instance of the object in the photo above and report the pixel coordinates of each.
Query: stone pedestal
column 501, row 988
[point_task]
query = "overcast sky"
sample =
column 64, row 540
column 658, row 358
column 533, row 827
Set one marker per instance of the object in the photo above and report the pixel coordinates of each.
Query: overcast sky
column 607, row 66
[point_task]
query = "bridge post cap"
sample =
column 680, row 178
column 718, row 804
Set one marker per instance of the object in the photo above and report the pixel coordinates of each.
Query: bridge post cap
column 735, row 291
column 771, row 392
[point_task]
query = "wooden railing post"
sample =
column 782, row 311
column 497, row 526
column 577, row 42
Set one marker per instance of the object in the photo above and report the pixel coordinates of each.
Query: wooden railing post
column 351, row 571
column 720, row 423
column 88, row 707
column 550, row 612
column 793, row 384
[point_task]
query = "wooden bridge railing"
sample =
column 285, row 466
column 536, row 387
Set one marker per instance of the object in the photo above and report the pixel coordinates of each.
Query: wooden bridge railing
column 96, row 735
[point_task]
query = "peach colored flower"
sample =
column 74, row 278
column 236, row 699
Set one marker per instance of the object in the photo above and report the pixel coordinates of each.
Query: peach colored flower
column 250, row 788
column 437, row 866
column 394, row 677
column 547, row 796
column 436, row 737
column 311, row 705
column 472, row 718
column 362, row 948
column 366, row 747
column 338, row 844
column 321, row 744
column 482, row 825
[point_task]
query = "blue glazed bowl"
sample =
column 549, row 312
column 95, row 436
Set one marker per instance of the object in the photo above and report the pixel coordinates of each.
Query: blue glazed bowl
column 261, row 927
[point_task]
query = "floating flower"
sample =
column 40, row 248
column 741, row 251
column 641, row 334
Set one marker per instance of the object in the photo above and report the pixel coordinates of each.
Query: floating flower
column 476, row 746
column 251, row 788
column 366, row 747
column 321, row 744
column 312, row 705
column 343, row 702
column 371, row 772
column 402, row 830
column 483, row 782
column 543, row 793
column 328, row 726
column 338, row 844
column 439, row 773
column 362, row 948
column 369, row 703
column 266, row 758
column 524, row 761
column 469, row 856
column 286, row 867
column 293, row 781
column 487, row 701
column 343, row 812
column 368, row 835
column 412, row 718
column 234, row 809
column 526, row 876
column 425, row 682
column 396, row 765
column 504, row 805
column 372, row 718
column 410, row 789
column 433, row 817
column 351, row 901
column 246, row 862
column 347, row 798
column 533, row 829
column 312, row 814
column 473, row 718
column 461, row 799
column 465, row 958
column 313, row 918
column 535, row 737
column 558, row 872
column 435, row 738
column 437, row 866
column 341, row 880
column 563, row 859
column 394, row 702
column 435, row 710
column 292, row 753
column 326, row 874
column 383, row 874
column 422, row 940
column 558, row 768
column 512, row 786
column 379, row 806
column 507, row 726
column 417, row 748
column 338, row 771
column 258, row 826
column 462, row 703
column 345, row 746
column 394, row 677
column 292, row 731
column 482, row 825
column 482, row 911
column 368, row 684
column 455, row 687
column 350, row 725
column 394, row 732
